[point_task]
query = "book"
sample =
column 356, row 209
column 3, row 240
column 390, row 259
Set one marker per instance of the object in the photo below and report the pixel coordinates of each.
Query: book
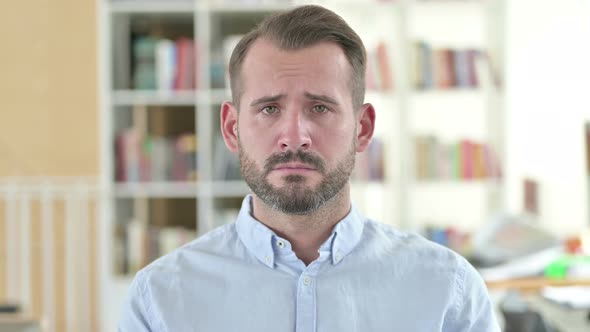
column 461, row 68
column 479, row 170
column 144, row 71
column 415, row 64
column 132, row 141
column 449, row 63
column 471, row 68
column 370, row 164
column 160, row 159
column 426, row 66
column 442, row 69
column 185, row 76
column 467, row 157
column 376, row 160
column 445, row 68
column 432, row 146
column 464, row 160
column 184, row 164
column 153, row 158
column 165, row 64
column 384, row 67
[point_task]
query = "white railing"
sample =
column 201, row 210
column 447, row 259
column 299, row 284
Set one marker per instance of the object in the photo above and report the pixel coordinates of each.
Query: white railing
column 48, row 209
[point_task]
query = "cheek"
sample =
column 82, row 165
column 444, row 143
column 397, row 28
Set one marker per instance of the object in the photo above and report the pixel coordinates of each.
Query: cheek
column 255, row 144
column 334, row 137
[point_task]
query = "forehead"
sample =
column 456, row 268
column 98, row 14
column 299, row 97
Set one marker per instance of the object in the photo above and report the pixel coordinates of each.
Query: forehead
column 323, row 63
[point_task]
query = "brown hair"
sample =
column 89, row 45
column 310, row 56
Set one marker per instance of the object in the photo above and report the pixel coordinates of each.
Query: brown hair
column 299, row 28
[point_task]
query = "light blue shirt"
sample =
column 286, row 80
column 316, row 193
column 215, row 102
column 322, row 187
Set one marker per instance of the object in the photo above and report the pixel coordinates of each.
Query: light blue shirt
column 368, row 277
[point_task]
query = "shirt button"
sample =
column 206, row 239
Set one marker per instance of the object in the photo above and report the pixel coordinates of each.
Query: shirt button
column 338, row 256
column 267, row 259
column 281, row 243
column 306, row 280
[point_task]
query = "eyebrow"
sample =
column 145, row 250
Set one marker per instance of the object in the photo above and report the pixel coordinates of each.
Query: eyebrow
column 271, row 99
column 323, row 98
column 264, row 100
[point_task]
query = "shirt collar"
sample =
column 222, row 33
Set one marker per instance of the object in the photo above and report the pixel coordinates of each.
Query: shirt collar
column 259, row 239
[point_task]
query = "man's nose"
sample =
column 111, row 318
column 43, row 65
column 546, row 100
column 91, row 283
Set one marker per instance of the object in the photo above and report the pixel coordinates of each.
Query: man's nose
column 295, row 132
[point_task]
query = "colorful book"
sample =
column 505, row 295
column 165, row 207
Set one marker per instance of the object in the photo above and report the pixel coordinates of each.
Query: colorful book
column 426, row 62
column 384, row 67
column 185, row 76
column 144, row 71
column 165, row 64
column 466, row 159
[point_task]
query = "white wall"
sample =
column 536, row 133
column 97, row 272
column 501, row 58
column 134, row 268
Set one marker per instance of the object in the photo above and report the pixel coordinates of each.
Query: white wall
column 548, row 76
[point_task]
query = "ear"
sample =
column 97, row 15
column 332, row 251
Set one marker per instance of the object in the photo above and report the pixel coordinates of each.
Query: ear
column 365, row 126
column 229, row 125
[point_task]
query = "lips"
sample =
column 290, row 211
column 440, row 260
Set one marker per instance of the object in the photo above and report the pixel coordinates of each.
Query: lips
column 294, row 166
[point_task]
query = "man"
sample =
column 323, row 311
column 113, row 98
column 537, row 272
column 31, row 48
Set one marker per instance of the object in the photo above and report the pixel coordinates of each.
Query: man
column 300, row 257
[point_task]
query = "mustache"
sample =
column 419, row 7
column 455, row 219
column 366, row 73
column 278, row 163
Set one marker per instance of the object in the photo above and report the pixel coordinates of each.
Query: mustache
column 291, row 156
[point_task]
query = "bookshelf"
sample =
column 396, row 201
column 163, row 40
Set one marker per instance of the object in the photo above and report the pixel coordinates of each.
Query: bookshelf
column 454, row 126
column 385, row 186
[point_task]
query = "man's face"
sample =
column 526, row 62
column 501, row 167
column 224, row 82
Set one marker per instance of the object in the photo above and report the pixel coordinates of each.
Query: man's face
column 297, row 128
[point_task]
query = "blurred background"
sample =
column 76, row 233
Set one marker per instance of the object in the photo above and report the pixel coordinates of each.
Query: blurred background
column 111, row 154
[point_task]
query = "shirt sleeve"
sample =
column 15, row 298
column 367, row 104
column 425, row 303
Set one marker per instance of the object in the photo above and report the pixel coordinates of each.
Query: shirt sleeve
column 472, row 310
column 135, row 314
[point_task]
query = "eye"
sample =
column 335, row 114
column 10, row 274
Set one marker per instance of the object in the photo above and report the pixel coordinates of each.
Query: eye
column 269, row 110
column 320, row 109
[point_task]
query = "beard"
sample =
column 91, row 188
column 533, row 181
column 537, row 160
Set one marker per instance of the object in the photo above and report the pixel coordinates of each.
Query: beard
column 295, row 197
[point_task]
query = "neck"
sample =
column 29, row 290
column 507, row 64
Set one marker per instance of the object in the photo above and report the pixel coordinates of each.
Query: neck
column 307, row 232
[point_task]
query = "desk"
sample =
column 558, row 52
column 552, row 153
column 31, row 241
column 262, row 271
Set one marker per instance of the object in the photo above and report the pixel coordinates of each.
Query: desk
column 528, row 285
column 561, row 317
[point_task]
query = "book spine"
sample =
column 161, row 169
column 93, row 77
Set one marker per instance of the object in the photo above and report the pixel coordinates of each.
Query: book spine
column 427, row 66
column 384, row 67
column 466, row 159
column 165, row 64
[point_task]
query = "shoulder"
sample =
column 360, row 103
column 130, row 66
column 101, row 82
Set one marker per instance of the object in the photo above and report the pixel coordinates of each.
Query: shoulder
column 438, row 270
column 408, row 244
column 432, row 266
column 412, row 253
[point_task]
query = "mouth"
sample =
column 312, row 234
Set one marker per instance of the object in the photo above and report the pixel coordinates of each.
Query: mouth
column 294, row 168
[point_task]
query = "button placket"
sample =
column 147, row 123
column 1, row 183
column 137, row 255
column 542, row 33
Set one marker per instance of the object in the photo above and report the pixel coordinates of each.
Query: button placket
column 307, row 296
